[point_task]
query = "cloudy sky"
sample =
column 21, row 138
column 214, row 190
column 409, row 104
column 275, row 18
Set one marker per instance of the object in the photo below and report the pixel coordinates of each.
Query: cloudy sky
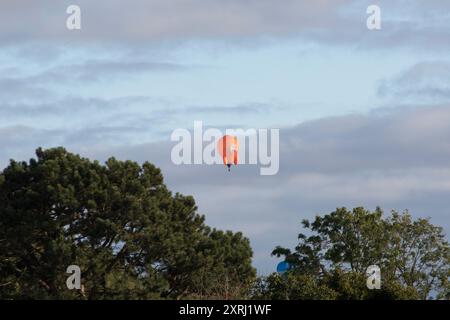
column 364, row 116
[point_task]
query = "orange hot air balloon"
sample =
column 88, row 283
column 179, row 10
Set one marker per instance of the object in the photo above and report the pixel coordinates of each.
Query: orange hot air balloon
column 228, row 147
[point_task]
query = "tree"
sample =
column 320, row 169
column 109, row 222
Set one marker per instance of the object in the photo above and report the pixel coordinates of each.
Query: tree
column 414, row 256
column 130, row 236
column 292, row 286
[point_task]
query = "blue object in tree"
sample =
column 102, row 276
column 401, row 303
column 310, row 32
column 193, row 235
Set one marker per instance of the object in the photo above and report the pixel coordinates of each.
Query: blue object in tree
column 282, row 267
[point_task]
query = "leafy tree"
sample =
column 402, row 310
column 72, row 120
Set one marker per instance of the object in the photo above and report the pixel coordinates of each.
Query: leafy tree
column 292, row 286
column 130, row 236
column 414, row 256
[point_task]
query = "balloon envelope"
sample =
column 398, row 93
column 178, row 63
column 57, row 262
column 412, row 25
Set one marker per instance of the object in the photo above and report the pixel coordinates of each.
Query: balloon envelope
column 283, row 266
column 228, row 147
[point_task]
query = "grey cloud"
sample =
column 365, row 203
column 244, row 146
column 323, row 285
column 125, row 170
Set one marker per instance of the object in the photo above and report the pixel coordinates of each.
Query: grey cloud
column 137, row 118
column 428, row 81
column 33, row 51
column 21, row 89
column 55, row 108
column 19, row 142
column 247, row 108
column 157, row 19
column 106, row 135
column 422, row 24
column 105, row 70
column 78, row 107
column 400, row 139
column 88, row 71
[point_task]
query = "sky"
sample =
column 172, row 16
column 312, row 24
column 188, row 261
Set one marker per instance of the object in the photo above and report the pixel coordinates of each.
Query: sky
column 364, row 115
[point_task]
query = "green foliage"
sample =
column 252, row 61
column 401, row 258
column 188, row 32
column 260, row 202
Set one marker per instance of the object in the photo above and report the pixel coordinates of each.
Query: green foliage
column 292, row 286
column 130, row 236
column 414, row 257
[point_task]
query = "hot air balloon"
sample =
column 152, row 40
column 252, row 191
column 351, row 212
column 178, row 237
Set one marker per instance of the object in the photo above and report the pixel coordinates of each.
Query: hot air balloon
column 228, row 147
column 283, row 266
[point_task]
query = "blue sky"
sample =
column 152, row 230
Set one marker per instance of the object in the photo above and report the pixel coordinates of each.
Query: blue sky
column 364, row 115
